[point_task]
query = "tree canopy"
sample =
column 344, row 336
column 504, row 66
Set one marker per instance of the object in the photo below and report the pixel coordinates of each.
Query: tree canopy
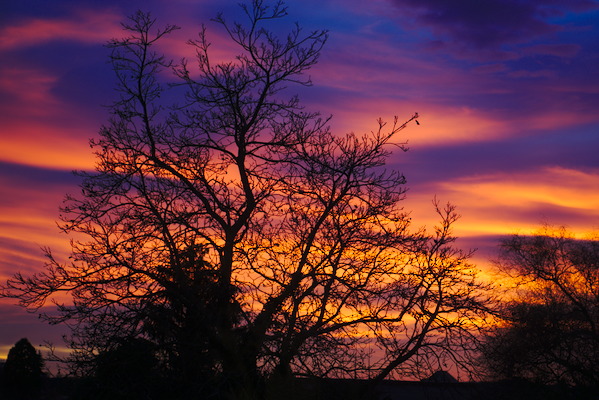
column 242, row 237
column 550, row 330
column 23, row 371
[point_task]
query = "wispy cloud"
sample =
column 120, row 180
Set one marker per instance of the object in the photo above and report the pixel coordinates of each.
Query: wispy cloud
column 27, row 90
column 499, row 203
column 29, row 201
column 85, row 26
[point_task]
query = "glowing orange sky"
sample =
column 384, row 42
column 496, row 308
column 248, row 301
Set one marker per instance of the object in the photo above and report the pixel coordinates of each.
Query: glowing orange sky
column 509, row 132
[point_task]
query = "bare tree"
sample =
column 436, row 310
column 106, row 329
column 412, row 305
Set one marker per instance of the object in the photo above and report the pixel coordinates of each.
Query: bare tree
column 245, row 239
column 550, row 330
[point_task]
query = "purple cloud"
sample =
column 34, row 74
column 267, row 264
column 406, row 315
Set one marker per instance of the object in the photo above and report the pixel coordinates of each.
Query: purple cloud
column 492, row 26
column 557, row 50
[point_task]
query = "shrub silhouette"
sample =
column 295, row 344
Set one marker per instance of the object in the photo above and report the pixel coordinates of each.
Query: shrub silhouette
column 127, row 372
column 22, row 374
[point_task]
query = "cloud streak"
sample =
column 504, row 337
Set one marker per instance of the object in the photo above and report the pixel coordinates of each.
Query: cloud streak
column 85, row 26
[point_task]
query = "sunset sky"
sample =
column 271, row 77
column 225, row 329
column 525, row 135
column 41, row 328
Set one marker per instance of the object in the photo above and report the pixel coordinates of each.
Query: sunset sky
column 507, row 90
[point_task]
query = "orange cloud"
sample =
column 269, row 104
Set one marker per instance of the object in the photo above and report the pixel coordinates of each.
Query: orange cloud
column 444, row 124
column 500, row 203
column 438, row 125
column 28, row 215
column 39, row 128
column 36, row 143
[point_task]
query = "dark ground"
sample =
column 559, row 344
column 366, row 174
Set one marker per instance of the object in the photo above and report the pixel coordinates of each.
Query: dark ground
column 331, row 389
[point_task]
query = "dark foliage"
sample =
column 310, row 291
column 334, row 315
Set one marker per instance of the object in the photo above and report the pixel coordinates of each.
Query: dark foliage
column 550, row 332
column 128, row 371
column 23, row 371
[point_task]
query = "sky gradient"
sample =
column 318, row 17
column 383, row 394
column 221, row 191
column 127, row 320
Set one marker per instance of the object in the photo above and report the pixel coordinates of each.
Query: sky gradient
column 507, row 90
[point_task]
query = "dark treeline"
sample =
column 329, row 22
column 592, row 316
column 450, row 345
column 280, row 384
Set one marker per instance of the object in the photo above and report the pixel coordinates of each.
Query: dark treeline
column 549, row 330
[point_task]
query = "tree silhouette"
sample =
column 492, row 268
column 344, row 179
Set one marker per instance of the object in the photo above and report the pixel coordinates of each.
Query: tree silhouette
column 130, row 370
column 242, row 237
column 22, row 373
column 550, row 331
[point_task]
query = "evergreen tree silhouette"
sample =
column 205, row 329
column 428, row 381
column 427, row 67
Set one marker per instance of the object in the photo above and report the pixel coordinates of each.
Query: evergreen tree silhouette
column 22, row 373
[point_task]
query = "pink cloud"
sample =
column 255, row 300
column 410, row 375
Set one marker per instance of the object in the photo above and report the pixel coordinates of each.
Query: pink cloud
column 86, row 26
column 490, row 68
column 176, row 47
column 367, row 64
column 29, row 91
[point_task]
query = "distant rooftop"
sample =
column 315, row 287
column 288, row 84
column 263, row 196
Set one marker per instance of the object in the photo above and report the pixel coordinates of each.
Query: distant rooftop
column 440, row 377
